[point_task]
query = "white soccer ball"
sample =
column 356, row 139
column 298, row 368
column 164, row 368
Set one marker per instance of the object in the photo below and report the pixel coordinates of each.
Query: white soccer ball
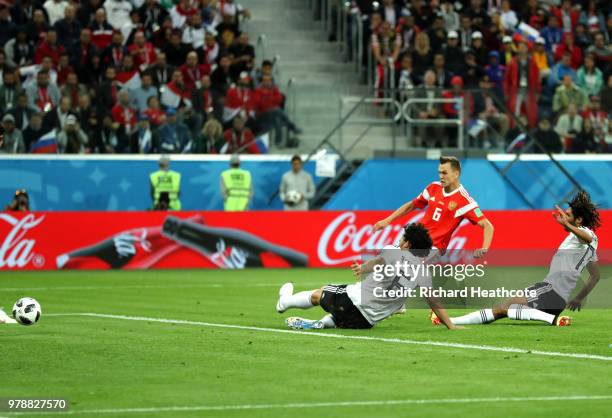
column 293, row 196
column 27, row 311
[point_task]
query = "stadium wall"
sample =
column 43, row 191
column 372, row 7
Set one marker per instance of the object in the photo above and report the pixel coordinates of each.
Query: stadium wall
column 384, row 184
column 83, row 183
column 145, row 240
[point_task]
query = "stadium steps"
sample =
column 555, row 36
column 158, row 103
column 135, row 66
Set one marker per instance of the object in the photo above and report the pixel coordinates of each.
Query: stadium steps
column 327, row 188
column 320, row 78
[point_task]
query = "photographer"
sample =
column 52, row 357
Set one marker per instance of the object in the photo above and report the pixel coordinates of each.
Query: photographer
column 20, row 203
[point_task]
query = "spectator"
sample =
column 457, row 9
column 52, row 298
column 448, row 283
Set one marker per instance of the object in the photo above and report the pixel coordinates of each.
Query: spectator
column 193, row 71
column 175, row 51
column 114, row 53
column 568, row 126
column 162, row 72
column 221, row 77
column 606, row 96
column 239, row 99
column 422, row 56
column 593, row 18
column 72, row 139
column 585, row 142
column 63, row 68
column 437, row 34
column 522, row 85
column 9, row 91
column 267, row 102
column 560, row 70
column 125, row 120
column 244, row 54
column 181, row 12
column 540, row 56
column 495, row 73
column 81, row 56
column 44, row 95
column 12, row 140
column 552, row 33
column 133, row 25
column 36, row 28
column 165, row 186
column 508, row 50
column 229, row 10
column 147, row 137
column 472, row 73
column 451, row 110
column 568, row 17
column 407, row 79
column 478, row 14
column 194, row 33
column 429, row 135
column 175, row 94
column 67, row 28
column 236, row 187
column 568, row 94
column 128, row 76
column 478, row 48
column 86, row 13
column 210, row 140
column 590, row 78
column 33, row 132
column 210, row 49
column 597, row 117
column 239, row 138
column 108, row 90
column 453, row 55
column 56, row 118
column 547, row 138
column 101, row 31
column 49, row 48
column 569, row 46
column 443, row 76
column 465, row 32
column 31, row 72
column 104, row 140
column 22, row 112
column 118, row 12
column 140, row 95
column 386, row 46
column 87, row 116
column 486, row 109
column 296, row 181
column 602, row 52
column 19, row 50
column 152, row 15
column 22, row 11
column 204, row 99
column 583, row 38
column 450, row 16
column 154, row 112
column 174, row 135
column 72, row 88
column 407, row 30
column 142, row 51
column 55, row 10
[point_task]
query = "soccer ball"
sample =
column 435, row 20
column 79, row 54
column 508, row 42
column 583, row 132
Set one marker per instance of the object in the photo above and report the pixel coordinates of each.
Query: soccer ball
column 27, row 311
column 293, row 196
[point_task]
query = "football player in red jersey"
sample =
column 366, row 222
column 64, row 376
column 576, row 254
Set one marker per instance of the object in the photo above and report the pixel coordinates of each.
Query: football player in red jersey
column 448, row 203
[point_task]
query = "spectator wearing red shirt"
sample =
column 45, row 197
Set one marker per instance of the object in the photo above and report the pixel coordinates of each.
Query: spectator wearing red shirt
column 239, row 138
column 49, row 48
column 101, row 30
column 193, row 71
column 268, row 109
column 142, row 51
column 114, row 53
column 598, row 118
column 522, row 85
column 568, row 45
column 63, row 69
column 125, row 121
column 451, row 110
column 154, row 112
column 81, row 54
column 568, row 17
column 239, row 99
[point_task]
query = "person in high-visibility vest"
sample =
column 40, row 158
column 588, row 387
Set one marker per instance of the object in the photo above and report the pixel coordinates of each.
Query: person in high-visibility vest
column 165, row 186
column 236, row 187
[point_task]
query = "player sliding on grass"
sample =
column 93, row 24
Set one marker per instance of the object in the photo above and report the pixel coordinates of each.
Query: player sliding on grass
column 448, row 203
column 361, row 305
column 577, row 251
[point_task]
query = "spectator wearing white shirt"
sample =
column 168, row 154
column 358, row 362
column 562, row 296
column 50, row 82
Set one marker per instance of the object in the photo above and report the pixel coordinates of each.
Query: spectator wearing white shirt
column 194, row 33
column 118, row 13
column 569, row 125
column 508, row 16
column 55, row 10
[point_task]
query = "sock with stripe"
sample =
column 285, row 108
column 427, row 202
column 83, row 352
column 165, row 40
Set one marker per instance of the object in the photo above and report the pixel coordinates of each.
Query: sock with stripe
column 483, row 316
column 299, row 300
column 525, row 313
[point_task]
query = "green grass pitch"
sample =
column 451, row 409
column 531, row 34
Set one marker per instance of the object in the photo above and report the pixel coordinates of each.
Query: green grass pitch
column 120, row 365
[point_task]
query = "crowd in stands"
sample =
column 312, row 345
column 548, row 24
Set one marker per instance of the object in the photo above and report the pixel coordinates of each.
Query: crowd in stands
column 545, row 62
column 134, row 76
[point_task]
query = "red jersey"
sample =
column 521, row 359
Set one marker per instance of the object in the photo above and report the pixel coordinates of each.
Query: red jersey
column 445, row 211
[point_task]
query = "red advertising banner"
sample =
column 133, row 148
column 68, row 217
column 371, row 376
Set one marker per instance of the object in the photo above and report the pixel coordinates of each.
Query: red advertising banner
column 143, row 240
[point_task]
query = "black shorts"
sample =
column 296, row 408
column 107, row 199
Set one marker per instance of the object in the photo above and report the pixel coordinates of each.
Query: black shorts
column 335, row 301
column 546, row 299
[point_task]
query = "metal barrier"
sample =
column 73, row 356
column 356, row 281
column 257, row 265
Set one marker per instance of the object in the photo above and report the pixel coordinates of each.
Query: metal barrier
column 437, row 122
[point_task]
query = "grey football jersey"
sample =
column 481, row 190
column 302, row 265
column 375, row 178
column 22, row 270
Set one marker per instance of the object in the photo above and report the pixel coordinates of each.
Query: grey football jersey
column 376, row 308
column 569, row 261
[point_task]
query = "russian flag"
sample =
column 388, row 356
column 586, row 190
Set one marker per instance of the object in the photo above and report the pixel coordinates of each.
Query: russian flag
column 524, row 31
column 263, row 143
column 46, row 144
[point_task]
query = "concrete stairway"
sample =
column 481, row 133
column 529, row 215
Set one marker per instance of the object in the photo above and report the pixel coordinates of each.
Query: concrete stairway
column 320, row 76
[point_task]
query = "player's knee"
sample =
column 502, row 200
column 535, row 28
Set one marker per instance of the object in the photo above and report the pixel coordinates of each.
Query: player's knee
column 315, row 298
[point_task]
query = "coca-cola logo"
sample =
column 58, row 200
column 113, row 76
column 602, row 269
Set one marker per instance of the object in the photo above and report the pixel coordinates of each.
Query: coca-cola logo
column 344, row 241
column 16, row 250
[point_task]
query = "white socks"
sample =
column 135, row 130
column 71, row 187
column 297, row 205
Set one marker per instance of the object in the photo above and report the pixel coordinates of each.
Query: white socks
column 299, row 300
column 483, row 316
column 328, row 322
column 525, row 313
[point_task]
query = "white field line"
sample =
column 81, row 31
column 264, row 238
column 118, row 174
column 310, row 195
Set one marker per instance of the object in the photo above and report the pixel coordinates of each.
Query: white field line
column 169, row 286
column 324, row 334
column 321, row 405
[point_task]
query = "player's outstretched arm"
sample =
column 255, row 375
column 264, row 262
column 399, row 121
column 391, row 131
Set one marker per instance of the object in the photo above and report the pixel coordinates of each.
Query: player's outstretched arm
column 487, row 237
column 594, row 275
column 365, row 268
column 436, row 306
column 401, row 211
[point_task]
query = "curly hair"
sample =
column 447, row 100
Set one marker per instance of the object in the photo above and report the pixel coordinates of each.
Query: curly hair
column 583, row 207
column 419, row 239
